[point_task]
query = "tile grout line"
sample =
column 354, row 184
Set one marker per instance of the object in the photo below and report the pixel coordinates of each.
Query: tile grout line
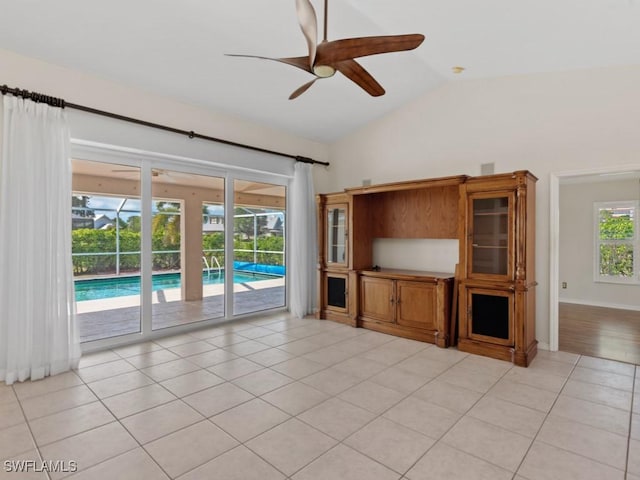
column 28, row 423
column 205, row 417
column 549, row 413
column 380, row 415
column 340, row 442
column 226, row 381
column 633, row 391
column 458, row 421
column 533, row 440
column 300, row 380
column 98, row 399
column 125, row 428
column 240, row 443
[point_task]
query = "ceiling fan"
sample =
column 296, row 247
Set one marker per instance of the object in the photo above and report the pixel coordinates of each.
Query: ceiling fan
column 327, row 57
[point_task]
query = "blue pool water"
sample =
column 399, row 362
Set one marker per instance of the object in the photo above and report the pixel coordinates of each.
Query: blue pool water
column 122, row 286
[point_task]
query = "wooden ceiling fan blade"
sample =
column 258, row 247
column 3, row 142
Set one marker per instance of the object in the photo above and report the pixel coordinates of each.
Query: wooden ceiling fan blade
column 302, row 89
column 309, row 26
column 299, row 62
column 329, row 53
column 358, row 75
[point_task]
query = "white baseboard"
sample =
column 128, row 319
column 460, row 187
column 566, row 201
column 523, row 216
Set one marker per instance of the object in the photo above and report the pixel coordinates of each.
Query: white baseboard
column 591, row 303
column 543, row 346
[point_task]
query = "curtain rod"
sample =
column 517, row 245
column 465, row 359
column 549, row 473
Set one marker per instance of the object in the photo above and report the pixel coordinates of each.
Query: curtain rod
column 61, row 103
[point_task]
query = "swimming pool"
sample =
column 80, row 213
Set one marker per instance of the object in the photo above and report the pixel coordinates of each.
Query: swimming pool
column 100, row 288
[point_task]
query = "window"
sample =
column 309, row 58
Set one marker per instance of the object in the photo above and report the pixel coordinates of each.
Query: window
column 616, row 242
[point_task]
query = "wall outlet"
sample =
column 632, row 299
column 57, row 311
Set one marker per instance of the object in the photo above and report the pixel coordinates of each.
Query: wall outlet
column 564, row 284
column 366, row 182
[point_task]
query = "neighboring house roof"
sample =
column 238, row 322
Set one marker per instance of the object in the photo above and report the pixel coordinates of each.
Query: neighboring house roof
column 102, row 222
column 274, row 223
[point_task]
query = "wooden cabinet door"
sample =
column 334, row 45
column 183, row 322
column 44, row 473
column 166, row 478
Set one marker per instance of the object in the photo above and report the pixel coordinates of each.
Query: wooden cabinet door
column 377, row 299
column 490, row 315
column 336, row 292
column 416, row 304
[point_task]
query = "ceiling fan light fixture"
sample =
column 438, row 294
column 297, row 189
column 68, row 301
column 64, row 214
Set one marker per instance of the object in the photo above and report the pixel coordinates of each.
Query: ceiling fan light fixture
column 324, row 71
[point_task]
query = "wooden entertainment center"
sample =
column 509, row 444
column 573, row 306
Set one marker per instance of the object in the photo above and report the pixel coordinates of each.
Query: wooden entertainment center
column 493, row 219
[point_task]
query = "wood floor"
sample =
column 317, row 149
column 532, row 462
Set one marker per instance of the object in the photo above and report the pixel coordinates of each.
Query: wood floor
column 600, row 332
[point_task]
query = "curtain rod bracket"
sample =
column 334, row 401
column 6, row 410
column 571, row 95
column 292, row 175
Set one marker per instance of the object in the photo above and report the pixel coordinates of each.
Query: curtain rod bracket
column 302, row 159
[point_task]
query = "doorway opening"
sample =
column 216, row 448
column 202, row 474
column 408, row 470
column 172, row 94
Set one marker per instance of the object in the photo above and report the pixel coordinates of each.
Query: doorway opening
column 595, row 281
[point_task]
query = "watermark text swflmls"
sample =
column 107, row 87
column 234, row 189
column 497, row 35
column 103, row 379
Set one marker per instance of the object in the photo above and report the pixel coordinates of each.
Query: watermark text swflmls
column 51, row 466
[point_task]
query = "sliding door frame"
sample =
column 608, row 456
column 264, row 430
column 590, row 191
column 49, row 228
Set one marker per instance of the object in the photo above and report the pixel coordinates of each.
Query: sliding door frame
column 146, row 162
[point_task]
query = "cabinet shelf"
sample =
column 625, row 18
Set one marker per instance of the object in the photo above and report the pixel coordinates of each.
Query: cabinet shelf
column 502, row 247
column 490, row 214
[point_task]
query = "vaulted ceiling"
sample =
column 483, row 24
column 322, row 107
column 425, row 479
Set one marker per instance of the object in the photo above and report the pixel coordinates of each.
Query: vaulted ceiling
column 176, row 49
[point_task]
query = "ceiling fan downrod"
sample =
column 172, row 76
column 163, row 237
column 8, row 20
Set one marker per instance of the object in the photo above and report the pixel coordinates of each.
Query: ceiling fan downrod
column 326, row 16
column 324, row 71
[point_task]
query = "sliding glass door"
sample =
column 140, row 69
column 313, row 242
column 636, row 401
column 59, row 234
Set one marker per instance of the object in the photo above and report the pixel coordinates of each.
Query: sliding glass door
column 259, row 246
column 187, row 243
column 158, row 246
column 105, row 238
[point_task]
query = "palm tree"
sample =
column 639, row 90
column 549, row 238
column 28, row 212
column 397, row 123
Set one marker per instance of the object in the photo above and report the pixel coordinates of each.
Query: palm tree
column 165, row 231
column 166, row 223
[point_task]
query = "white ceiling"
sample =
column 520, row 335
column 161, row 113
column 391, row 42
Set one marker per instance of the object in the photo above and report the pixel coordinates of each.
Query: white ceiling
column 176, row 48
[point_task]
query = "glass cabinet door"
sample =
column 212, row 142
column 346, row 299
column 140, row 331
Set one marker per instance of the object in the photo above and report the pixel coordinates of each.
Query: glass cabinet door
column 337, row 234
column 491, row 235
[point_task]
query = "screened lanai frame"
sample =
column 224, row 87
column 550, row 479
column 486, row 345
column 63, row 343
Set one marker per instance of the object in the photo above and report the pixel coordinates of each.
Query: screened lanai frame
column 118, row 211
column 147, row 161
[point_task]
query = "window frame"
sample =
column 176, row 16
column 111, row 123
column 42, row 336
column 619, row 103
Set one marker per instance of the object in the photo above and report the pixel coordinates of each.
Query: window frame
column 634, row 242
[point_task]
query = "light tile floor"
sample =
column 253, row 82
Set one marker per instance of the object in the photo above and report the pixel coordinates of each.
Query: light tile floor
column 275, row 397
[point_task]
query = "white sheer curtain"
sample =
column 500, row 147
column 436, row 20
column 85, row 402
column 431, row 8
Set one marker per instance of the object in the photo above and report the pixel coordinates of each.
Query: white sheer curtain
column 38, row 332
column 302, row 244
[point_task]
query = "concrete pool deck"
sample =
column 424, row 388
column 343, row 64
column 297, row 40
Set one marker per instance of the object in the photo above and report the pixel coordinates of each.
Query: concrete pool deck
column 110, row 317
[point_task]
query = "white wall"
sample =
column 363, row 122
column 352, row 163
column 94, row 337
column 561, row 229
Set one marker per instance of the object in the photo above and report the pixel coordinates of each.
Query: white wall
column 31, row 74
column 544, row 123
column 577, row 244
column 431, row 254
